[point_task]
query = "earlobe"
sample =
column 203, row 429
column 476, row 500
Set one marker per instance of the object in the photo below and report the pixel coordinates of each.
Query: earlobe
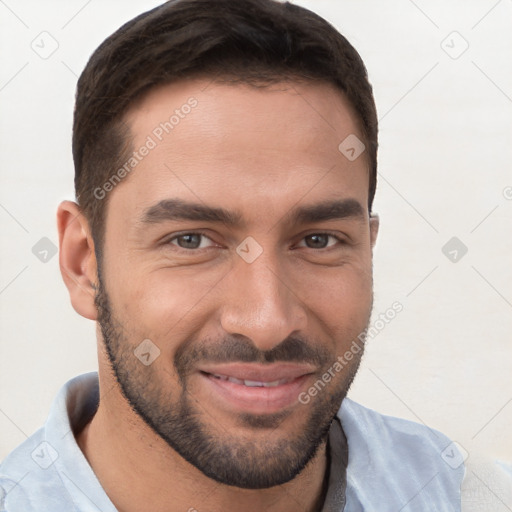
column 77, row 258
column 374, row 228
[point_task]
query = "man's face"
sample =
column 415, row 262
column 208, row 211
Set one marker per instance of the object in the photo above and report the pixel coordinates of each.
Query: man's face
column 253, row 303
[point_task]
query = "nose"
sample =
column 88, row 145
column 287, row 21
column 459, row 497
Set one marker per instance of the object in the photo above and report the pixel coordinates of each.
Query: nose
column 259, row 302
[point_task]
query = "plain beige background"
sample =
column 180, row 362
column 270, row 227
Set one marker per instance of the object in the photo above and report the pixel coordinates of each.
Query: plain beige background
column 443, row 85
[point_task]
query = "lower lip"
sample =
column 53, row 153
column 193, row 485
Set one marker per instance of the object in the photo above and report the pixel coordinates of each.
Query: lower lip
column 256, row 400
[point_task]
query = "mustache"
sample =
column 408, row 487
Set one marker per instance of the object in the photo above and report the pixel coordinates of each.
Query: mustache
column 240, row 349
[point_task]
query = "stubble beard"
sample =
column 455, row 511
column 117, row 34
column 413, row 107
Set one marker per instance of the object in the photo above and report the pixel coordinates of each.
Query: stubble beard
column 227, row 458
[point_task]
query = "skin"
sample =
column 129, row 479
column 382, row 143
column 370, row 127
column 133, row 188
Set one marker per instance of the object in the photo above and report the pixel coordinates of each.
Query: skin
column 260, row 152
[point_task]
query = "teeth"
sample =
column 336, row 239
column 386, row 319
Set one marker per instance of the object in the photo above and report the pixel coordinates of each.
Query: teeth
column 251, row 383
column 273, row 384
column 254, row 384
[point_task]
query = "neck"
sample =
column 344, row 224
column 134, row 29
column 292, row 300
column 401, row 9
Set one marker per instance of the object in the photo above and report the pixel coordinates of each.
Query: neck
column 139, row 471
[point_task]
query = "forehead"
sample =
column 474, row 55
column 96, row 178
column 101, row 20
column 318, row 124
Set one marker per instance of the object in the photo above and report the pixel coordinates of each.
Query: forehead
column 299, row 112
column 224, row 143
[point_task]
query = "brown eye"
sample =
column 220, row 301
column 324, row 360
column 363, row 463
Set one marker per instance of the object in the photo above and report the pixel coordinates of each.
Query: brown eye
column 320, row 240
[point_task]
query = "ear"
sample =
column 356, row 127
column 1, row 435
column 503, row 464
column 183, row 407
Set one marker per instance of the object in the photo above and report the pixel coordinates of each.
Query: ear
column 374, row 228
column 77, row 258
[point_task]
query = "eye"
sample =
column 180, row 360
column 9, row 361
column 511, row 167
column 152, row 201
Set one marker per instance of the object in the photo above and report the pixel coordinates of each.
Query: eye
column 320, row 240
column 191, row 241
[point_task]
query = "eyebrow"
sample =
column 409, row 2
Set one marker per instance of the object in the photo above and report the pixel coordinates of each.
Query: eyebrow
column 178, row 209
column 328, row 210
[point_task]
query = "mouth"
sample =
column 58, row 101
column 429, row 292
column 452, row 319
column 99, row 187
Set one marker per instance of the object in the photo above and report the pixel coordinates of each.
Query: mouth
column 250, row 383
column 255, row 388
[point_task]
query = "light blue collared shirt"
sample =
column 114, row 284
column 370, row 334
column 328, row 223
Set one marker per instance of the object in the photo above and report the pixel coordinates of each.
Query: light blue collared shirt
column 394, row 465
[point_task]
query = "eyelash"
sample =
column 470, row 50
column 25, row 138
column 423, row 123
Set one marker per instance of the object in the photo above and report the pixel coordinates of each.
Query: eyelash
column 201, row 233
column 179, row 235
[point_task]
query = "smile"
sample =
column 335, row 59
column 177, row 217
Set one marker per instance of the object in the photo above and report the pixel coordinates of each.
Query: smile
column 252, row 383
column 254, row 388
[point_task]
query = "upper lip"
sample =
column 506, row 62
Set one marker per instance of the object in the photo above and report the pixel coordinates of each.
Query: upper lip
column 259, row 372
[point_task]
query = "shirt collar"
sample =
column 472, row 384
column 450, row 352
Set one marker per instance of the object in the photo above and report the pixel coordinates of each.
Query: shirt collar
column 337, row 450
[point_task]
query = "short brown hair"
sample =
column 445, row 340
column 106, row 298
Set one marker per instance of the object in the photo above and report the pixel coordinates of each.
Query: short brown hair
column 251, row 41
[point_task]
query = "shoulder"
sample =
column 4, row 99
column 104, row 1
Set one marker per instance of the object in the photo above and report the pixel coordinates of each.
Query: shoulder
column 487, row 485
column 413, row 466
column 27, row 475
column 39, row 474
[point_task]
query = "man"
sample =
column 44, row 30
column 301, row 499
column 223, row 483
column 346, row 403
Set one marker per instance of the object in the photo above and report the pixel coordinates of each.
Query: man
column 225, row 169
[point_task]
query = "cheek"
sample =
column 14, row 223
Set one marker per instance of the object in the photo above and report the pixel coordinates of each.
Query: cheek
column 348, row 285
column 174, row 304
column 341, row 298
column 155, row 304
